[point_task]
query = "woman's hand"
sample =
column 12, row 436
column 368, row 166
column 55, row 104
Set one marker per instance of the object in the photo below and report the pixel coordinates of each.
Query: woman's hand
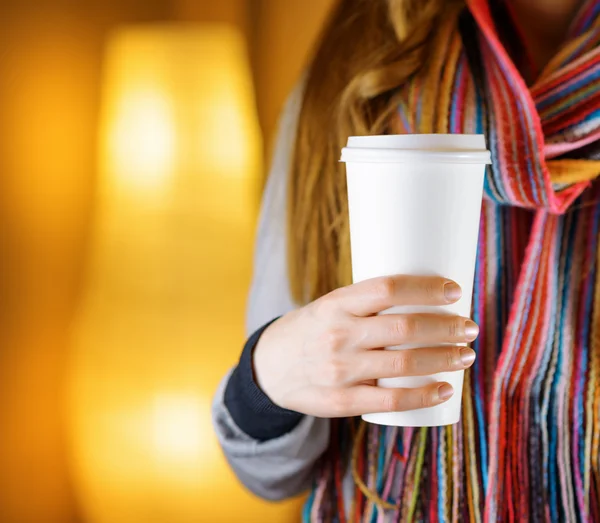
column 324, row 358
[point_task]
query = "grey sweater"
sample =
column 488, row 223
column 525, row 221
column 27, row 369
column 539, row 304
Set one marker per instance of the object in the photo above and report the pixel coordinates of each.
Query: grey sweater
column 280, row 467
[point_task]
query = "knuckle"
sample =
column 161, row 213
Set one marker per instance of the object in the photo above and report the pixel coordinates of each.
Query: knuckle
column 324, row 305
column 454, row 328
column 405, row 327
column 385, row 287
column 334, row 373
column 401, row 363
column 339, row 403
column 431, row 290
column 333, row 340
column 425, row 399
column 391, row 402
column 452, row 357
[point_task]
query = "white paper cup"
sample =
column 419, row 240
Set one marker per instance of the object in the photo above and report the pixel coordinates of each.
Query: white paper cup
column 415, row 203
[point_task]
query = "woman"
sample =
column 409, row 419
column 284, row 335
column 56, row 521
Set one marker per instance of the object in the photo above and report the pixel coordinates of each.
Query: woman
column 525, row 73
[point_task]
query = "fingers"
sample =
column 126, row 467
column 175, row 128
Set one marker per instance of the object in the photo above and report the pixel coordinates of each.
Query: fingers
column 365, row 399
column 372, row 296
column 377, row 364
column 388, row 330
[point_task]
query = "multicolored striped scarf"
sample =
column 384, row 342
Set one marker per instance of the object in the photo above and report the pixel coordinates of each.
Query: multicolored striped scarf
column 528, row 446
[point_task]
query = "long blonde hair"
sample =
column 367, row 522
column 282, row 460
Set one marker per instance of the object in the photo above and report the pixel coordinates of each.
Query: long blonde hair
column 368, row 49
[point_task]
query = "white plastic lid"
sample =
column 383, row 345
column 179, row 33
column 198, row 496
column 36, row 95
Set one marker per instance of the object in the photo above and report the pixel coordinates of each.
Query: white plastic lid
column 404, row 148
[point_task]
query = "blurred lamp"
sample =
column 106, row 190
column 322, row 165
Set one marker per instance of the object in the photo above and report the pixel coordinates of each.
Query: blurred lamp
column 161, row 317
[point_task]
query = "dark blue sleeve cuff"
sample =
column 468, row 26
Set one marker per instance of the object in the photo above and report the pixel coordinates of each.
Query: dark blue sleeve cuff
column 251, row 409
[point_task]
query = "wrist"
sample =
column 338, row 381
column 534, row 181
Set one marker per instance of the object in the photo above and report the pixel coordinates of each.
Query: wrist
column 250, row 407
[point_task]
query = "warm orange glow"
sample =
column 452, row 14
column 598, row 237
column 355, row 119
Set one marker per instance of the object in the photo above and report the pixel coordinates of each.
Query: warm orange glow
column 177, row 99
column 177, row 429
column 162, row 316
column 141, row 140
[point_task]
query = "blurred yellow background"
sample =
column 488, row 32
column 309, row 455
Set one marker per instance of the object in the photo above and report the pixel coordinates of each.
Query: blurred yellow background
column 126, row 247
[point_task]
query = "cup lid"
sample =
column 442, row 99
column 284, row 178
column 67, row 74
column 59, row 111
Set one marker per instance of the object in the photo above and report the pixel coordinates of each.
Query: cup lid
column 408, row 148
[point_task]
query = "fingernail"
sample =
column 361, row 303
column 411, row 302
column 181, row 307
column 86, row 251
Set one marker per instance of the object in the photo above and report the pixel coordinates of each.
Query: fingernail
column 445, row 391
column 467, row 356
column 452, row 291
column 471, row 330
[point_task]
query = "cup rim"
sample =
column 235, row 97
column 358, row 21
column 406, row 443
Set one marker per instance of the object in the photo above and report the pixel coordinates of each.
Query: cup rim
column 386, row 155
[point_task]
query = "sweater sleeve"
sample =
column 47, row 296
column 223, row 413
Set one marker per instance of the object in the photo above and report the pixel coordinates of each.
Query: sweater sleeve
column 272, row 451
column 250, row 408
